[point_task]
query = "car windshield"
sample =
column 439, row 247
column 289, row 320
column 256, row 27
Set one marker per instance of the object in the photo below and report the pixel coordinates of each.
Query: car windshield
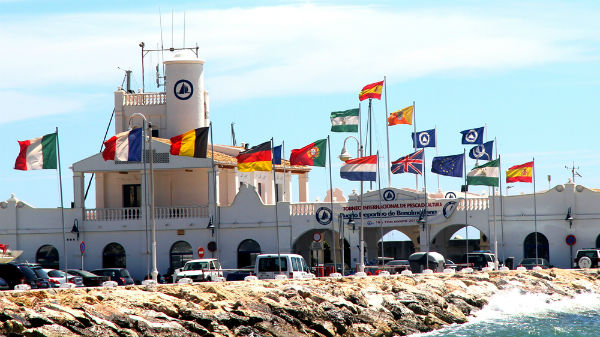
column 196, row 265
column 531, row 261
column 397, row 263
column 83, row 273
column 124, row 273
column 56, row 273
column 40, row 272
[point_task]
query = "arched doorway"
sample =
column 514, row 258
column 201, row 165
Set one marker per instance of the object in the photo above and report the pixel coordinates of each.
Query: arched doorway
column 543, row 248
column 396, row 245
column 47, row 257
column 114, row 256
column 246, row 253
column 180, row 253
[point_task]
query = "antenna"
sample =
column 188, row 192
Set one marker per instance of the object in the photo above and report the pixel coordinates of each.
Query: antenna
column 573, row 172
column 233, row 142
column 184, row 29
column 171, row 28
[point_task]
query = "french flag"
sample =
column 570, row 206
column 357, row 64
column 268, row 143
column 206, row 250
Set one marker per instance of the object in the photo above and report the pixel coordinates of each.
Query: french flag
column 360, row 169
column 124, row 146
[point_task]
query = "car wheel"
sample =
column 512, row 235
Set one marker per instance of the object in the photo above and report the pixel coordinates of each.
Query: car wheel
column 585, row 262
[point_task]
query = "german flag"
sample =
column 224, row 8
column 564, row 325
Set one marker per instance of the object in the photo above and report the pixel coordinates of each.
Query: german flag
column 372, row 90
column 191, row 144
column 257, row 158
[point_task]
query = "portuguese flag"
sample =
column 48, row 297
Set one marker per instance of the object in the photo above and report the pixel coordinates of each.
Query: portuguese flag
column 191, row 144
column 372, row 90
column 37, row 153
column 313, row 154
column 257, row 158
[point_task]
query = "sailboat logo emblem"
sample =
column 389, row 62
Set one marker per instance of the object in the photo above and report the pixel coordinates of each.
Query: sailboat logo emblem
column 183, row 89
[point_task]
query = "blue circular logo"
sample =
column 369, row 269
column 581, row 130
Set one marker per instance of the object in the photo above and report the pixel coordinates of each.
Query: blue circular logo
column 324, row 216
column 389, row 195
column 183, row 89
column 450, row 195
column 449, row 208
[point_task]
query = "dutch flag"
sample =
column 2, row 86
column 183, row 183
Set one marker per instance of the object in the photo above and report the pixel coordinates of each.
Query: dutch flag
column 363, row 168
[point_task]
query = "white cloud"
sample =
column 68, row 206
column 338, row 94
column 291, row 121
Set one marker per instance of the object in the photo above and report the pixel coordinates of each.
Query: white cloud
column 294, row 49
column 19, row 106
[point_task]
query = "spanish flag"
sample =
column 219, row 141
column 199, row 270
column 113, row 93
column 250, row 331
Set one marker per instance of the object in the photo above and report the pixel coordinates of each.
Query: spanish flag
column 520, row 173
column 191, row 144
column 257, row 158
column 403, row 116
column 372, row 90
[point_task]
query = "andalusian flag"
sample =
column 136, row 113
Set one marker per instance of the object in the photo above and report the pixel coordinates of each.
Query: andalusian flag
column 191, row 144
column 257, row 158
column 37, row 153
column 313, row 154
column 520, row 173
column 487, row 174
column 344, row 121
column 372, row 90
column 403, row 116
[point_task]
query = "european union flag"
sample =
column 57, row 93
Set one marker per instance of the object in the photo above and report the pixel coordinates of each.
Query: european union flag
column 483, row 151
column 424, row 139
column 448, row 165
column 472, row 136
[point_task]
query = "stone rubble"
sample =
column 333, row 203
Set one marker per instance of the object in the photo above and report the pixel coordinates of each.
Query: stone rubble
column 350, row 306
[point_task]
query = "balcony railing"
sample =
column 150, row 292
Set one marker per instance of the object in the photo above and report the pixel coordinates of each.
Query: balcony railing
column 134, row 213
column 474, row 204
column 153, row 98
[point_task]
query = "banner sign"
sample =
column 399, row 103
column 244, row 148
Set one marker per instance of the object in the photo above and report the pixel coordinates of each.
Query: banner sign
column 400, row 213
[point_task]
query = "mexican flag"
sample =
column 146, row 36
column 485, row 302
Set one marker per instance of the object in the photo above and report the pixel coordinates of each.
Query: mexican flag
column 313, row 154
column 487, row 174
column 37, row 153
column 344, row 121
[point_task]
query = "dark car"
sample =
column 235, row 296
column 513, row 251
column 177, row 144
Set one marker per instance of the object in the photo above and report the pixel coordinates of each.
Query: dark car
column 397, row 266
column 15, row 274
column 587, row 258
column 529, row 263
column 43, row 278
column 119, row 275
column 89, row 279
column 3, row 284
column 240, row 274
column 478, row 260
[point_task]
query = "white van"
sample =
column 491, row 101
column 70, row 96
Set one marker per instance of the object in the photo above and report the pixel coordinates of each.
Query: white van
column 293, row 266
column 200, row 270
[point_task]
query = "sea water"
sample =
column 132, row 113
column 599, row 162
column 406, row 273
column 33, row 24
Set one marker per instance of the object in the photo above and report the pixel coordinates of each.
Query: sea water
column 514, row 313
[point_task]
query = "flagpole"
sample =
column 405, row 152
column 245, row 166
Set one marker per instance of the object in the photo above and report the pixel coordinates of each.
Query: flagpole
column 152, row 211
column 495, row 234
column 62, row 210
column 283, row 165
column 501, row 206
column 436, row 153
column 331, row 203
column 276, row 215
column 387, row 134
column 214, row 169
column 146, row 210
column 415, row 144
column 466, row 206
column 535, row 214
column 370, row 126
column 380, row 208
column 426, row 224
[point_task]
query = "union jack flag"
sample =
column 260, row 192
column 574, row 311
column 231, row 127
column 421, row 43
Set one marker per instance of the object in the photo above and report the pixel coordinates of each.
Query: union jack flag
column 412, row 163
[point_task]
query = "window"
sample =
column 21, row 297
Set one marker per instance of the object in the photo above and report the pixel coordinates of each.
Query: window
column 180, row 253
column 260, row 194
column 247, row 252
column 270, row 264
column 114, row 256
column 47, row 257
column 132, row 195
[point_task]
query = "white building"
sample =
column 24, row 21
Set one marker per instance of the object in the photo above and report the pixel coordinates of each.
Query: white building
column 189, row 195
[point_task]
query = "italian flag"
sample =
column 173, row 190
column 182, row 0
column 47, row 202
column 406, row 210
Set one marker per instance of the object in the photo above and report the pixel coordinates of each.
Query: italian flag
column 313, row 154
column 37, row 153
column 487, row 174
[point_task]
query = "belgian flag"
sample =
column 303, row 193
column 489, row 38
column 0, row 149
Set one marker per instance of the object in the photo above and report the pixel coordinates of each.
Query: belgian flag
column 257, row 158
column 191, row 144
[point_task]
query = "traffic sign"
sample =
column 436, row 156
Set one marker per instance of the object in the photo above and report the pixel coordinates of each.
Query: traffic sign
column 570, row 239
column 200, row 252
column 317, row 236
column 82, row 247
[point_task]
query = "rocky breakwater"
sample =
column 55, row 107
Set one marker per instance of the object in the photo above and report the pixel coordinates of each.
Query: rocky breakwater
column 368, row 306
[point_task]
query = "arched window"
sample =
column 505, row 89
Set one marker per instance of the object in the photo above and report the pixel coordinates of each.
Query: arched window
column 247, row 251
column 598, row 241
column 114, row 256
column 47, row 257
column 181, row 252
column 543, row 248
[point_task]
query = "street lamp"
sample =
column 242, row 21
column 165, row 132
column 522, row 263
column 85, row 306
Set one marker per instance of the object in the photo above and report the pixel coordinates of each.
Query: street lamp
column 151, row 192
column 344, row 156
column 211, row 226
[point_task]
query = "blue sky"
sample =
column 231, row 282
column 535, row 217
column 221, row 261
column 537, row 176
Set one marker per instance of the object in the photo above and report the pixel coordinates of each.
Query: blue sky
column 527, row 69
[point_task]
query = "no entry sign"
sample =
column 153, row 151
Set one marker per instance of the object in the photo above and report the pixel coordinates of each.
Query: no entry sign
column 200, row 252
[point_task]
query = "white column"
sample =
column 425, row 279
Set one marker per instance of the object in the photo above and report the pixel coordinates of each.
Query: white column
column 303, row 187
column 78, row 189
column 100, row 190
column 119, row 111
column 288, row 187
column 423, row 243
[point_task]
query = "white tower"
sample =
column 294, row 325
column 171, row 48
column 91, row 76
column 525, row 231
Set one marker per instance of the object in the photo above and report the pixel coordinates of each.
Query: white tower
column 187, row 101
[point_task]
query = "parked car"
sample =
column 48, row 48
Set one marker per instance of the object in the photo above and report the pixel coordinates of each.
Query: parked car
column 419, row 261
column 43, row 278
column 529, row 263
column 58, row 277
column 200, row 270
column 89, row 279
column 15, row 274
column 267, row 266
column 240, row 274
column 587, row 258
column 119, row 275
column 478, row 260
column 397, row 266
column 3, row 284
